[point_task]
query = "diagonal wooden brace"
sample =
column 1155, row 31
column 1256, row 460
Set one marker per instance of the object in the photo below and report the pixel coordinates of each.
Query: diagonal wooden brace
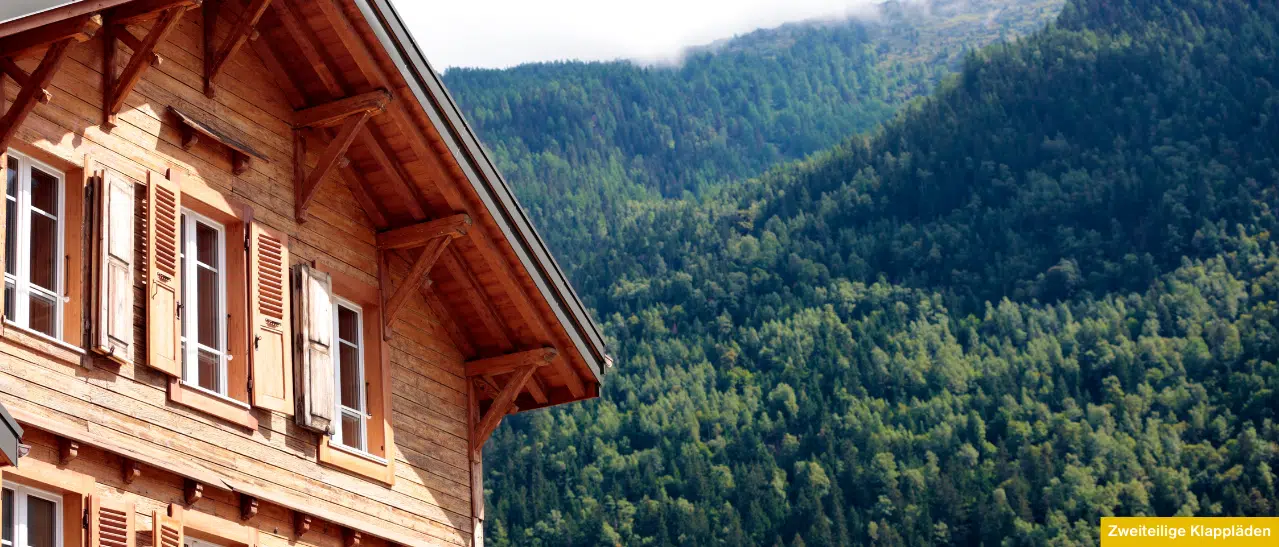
column 116, row 88
column 215, row 58
column 417, row 276
column 33, row 91
column 502, row 404
column 306, row 184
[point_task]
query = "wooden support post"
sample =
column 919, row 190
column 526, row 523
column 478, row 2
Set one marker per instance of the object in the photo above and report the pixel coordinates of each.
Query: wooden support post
column 248, row 507
column 115, row 89
column 192, row 491
column 130, row 470
column 214, row 60
column 476, row 460
column 30, row 93
column 332, row 113
column 68, row 450
column 305, row 188
column 499, row 407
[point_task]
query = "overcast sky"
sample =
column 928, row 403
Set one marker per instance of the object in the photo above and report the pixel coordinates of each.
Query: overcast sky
column 502, row 33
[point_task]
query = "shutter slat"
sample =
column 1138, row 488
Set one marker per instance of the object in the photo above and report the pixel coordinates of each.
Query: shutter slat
column 164, row 206
column 272, row 359
column 112, row 323
column 110, row 522
column 313, row 312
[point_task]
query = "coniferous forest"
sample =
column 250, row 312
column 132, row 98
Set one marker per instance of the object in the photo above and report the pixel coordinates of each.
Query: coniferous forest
column 1044, row 291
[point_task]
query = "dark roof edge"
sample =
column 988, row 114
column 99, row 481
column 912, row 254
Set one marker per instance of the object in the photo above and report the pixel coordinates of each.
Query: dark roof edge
column 487, row 182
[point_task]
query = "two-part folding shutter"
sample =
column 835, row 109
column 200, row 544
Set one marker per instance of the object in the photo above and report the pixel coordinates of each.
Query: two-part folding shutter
column 112, row 266
column 110, row 523
column 167, row 532
column 164, row 214
column 270, row 336
column 313, row 311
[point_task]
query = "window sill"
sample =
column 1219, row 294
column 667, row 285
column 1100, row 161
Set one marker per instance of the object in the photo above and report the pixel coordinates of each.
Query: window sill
column 42, row 343
column 225, row 408
column 356, row 462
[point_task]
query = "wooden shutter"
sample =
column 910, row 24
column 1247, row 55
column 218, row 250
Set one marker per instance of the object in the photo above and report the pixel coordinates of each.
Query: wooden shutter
column 272, row 359
column 110, row 522
column 313, row 312
column 112, row 279
column 164, row 213
column 167, row 531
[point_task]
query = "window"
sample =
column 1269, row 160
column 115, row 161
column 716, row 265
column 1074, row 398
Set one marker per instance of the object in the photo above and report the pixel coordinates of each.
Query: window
column 32, row 518
column 33, row 244
column 204, row 337
column 348, row 372
column 193, row 542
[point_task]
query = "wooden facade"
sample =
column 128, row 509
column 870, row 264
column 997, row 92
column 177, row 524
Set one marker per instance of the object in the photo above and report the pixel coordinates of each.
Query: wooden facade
column 279, row 295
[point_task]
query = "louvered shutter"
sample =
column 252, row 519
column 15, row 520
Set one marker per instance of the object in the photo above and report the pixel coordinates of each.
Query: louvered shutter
column 272, row 358
column 164, row 213
column 110, row 523
column 167, row 532
column 112, row 324
column 313, row 314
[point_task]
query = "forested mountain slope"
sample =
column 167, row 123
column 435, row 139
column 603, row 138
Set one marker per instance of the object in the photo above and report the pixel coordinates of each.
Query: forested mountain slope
column 1044, row 295
column 578, row 140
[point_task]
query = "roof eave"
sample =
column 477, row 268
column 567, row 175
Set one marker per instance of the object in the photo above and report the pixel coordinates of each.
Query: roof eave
column 487, row 182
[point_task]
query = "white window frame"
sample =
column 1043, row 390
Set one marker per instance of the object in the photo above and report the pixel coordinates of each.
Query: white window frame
column 191, row 304
column 20, row 495
column 21, row 279
column 188, row 541
column 340, row 410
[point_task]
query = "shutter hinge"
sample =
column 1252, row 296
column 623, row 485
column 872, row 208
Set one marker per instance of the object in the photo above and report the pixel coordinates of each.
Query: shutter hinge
column 250, row 384
column 84, row 521
column 179, row 311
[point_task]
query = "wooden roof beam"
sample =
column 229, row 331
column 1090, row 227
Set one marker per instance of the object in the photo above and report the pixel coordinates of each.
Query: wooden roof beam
column 417, row 235
column 116, row 88
column 482, row 304
column 377, row 148
column 309, row 45
column 416, row 277
column 332, row 113
column 141, row 10
column 33, row 91
column 305, row 184
column 76, row 28
column 216, row 58
column 502, row 404
column 504, row 364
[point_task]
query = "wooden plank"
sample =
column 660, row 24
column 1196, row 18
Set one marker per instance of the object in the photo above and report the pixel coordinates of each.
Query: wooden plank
column 140, row 10
column 417, row 235
column 504, row 364
column 77, row 28
column 28, row 96
column 332, row 113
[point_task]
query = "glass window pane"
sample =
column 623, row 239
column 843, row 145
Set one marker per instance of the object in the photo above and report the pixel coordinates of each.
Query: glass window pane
column 351, row 432
column 8, row 301
column 11, row 177
column 210, row 373
column 44, row 250
column 350, row 381
column 11, row 236
column 42, row 315
column 348, row 325
column 44, row 191
column 208, row 324
column 206, row 244
column 8, row 515
column 41, row 522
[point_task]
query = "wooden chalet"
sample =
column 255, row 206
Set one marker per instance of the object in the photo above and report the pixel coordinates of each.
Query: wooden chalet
column 263, row 286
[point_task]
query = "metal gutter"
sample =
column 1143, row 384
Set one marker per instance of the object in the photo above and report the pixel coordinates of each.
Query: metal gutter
column 481, row 172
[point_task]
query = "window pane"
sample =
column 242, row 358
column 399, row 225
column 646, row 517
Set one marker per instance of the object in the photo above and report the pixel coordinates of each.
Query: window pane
column 8, row 301
column 44, row 191
column 206, row 243
column 44, row 249
column 348, row 325
column 209, row 325
column 10, row 235
column 41, row 522
column 42, row 314
column 350, row 381
column 210, row 373
column 351, row 432
column 8, row 516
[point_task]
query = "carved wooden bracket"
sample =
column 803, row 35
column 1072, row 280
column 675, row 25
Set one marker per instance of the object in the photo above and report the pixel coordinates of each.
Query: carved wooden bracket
column 130, row 470
column 117, row 86
column 301, row 524
column 192, row 129
column 529, row 362
column 351, row 538
column 433, row 237
column 33, row 89
column 77, row 29
column 192, row 491
column 351, row 113
column 248, row 507
column 215, row 56
column 68, row 450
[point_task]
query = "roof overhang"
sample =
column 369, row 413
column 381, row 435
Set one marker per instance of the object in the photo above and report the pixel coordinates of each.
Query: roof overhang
column 487, row 182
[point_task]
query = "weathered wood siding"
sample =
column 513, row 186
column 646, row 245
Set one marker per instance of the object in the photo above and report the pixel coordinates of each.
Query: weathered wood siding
column 431, row 495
